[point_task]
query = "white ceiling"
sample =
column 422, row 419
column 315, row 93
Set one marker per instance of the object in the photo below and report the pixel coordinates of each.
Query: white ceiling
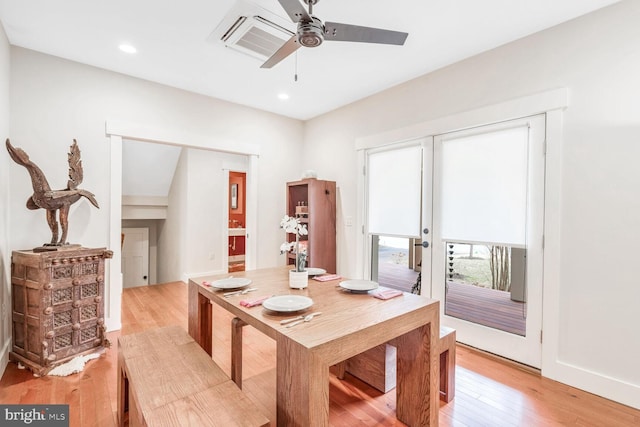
column 173, row 47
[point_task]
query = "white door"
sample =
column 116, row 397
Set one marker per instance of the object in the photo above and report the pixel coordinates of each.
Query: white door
column 488, row 196
column 399, row 182
column 135, row 257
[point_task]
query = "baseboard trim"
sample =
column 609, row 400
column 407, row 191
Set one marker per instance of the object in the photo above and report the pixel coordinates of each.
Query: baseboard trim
column 593, row 382
column 609, row 388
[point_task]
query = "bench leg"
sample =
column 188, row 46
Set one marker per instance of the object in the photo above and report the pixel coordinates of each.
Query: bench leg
column 448, row 367
column 341, row 368
column 236, row 351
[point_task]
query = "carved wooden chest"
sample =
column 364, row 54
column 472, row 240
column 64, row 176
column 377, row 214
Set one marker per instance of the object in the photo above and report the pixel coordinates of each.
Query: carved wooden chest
column 57, row 305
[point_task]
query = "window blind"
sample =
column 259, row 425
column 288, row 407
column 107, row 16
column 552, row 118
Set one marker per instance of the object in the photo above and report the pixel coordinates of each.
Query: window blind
column 394, row 191
column 484, row 187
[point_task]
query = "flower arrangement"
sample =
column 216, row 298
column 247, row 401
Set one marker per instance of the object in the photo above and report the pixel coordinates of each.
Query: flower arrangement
column 292, row 225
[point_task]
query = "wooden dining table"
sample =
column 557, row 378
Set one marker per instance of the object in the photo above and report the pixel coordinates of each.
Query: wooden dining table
column 350, row 324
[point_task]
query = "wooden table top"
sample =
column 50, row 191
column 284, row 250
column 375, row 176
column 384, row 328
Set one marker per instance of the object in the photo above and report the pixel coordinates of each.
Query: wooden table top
column 344, row 314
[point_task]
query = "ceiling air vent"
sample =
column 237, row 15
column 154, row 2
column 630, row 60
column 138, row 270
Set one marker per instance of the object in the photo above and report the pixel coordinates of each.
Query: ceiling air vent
column 255, row 36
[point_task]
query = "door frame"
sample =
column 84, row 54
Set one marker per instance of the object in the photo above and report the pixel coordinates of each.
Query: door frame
column 251, row 217
column 552, row 102
column 116, row 131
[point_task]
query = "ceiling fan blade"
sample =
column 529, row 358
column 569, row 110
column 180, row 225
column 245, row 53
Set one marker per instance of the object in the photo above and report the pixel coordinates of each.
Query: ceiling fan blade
column 355, row 33
column 287, row 49
column 295, row 10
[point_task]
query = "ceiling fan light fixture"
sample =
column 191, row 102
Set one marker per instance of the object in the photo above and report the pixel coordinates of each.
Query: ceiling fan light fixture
column 311, row 34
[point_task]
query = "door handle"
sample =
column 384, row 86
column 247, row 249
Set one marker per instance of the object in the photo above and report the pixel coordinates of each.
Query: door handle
column 425, row 244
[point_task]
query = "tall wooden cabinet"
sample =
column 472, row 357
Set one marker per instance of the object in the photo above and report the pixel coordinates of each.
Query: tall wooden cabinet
column 313, row 201
column 57, row 305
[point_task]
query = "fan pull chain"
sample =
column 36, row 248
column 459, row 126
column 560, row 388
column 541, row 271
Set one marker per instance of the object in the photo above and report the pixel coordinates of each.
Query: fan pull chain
column 295, row 76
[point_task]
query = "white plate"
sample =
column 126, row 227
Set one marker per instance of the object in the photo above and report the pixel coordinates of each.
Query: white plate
column 231, row 283
column 286, row 303
column 312, row 271
column 359, row 285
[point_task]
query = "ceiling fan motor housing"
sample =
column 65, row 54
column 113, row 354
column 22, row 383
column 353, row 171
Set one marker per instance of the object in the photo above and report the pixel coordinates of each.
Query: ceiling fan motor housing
column 311, row 33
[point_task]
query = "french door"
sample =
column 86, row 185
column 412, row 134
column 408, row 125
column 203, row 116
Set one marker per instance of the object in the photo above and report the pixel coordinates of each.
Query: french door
column 478, row 241
column 488, row 198
column 399, row 214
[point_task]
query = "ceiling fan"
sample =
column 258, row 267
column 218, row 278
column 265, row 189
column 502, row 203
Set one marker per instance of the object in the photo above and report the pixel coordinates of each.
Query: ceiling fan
column 312, row 32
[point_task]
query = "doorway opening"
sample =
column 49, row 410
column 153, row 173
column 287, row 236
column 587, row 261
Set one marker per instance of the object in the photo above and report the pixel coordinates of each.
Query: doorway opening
column 181, row 261
column 237, row 220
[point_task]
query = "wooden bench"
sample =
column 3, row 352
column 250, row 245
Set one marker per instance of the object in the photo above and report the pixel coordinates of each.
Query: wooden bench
column 447, row 346
column 167, row 379
column 377, row 367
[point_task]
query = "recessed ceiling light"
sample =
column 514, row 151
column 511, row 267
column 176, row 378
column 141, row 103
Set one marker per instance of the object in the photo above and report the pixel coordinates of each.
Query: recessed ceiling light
column 127, row 48
column 283, row 96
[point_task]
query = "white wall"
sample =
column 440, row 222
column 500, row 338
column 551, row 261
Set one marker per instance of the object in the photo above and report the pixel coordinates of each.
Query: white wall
column 592, row 339
column 172, row 250
column 5, row 247
column 191, row 238
column 72, row 100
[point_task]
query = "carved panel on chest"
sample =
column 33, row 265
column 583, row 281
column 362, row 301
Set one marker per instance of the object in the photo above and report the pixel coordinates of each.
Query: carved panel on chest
column 58, row 305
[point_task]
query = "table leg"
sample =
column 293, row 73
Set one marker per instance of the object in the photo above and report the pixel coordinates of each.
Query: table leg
column 200, row 318
column 302, row 386
column 417, row 389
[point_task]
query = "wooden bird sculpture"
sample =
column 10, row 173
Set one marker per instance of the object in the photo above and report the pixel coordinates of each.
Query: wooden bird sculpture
column 54, row 200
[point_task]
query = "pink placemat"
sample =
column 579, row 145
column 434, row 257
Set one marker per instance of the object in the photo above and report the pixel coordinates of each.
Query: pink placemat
column 327, row 277
column 253, row 302
column 387, row 294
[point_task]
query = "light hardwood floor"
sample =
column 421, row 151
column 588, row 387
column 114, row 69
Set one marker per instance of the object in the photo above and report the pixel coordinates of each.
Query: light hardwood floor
column 489, row 391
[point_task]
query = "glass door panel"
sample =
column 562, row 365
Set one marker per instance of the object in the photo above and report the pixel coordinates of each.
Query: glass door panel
column 485, row 285
column 393, row 261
